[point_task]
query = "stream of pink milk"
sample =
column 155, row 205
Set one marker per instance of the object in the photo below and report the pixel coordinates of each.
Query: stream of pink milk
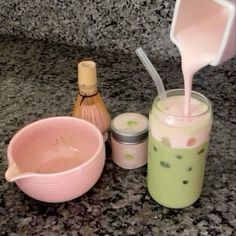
column 199, row 45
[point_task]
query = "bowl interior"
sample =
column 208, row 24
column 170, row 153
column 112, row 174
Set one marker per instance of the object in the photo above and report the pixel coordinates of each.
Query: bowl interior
column 55, row 144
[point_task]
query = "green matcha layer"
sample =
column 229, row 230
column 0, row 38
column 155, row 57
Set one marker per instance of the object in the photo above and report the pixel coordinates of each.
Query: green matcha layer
column 175, row 176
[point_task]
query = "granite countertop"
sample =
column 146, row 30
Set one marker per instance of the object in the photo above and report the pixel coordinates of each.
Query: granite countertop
column 38, row 79
column 109, row 24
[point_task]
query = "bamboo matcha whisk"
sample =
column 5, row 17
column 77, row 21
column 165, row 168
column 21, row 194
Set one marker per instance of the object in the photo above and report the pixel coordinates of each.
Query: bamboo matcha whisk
column 89, row 104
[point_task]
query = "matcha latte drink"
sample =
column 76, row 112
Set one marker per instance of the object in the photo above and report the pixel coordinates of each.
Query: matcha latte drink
column 177, row 148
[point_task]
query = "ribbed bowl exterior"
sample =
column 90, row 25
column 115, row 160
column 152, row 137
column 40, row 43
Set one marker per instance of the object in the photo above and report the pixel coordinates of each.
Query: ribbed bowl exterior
column 66, row 185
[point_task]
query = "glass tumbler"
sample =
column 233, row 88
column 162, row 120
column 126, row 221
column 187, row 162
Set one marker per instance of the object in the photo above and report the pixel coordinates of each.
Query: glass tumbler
column 177, row 148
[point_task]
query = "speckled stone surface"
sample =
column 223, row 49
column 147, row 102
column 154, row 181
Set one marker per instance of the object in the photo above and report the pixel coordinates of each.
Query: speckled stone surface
column 108, row 24
column 38, row 79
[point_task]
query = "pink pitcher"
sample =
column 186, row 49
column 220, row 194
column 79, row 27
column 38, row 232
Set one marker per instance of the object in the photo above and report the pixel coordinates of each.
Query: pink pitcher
column 199, row 12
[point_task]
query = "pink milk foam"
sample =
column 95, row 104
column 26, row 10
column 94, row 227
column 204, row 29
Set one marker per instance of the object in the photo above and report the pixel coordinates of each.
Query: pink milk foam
column 199, row 44
column 170, row 125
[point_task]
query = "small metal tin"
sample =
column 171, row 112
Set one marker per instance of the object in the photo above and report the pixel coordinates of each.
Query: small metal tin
column 129, row 127
column 129, row 132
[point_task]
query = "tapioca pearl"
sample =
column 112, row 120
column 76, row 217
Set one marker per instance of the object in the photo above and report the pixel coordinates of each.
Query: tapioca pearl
column 166, row 141
column 165, row 164
column 201, row 151
column 191, row 142
column 190, row 168
column 185, row 181
column 155, row 148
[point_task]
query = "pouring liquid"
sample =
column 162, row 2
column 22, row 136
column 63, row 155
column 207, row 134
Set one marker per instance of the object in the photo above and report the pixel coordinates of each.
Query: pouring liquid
column 199, row 44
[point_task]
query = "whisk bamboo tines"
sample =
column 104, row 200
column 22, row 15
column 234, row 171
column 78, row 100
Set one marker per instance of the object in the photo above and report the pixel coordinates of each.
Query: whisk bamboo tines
column 89, row 104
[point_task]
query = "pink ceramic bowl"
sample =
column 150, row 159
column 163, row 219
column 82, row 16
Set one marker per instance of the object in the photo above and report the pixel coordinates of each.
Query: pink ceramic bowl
column 56, row 159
